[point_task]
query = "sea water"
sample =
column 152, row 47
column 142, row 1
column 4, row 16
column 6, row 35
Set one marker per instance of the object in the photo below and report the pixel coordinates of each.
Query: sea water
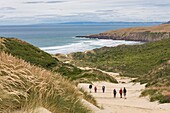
column 61, row 38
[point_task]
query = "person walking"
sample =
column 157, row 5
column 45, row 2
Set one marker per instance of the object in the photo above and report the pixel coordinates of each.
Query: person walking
column 90, row 87
column 120, row 92
column 114, row 93
column 95, row 89
column 103, row 89
column 124, row 92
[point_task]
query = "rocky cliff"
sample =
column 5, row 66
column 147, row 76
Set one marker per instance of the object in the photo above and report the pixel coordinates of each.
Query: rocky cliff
column 145, row 34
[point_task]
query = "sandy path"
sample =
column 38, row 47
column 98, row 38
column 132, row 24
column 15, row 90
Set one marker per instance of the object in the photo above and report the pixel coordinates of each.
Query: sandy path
column 133, row 104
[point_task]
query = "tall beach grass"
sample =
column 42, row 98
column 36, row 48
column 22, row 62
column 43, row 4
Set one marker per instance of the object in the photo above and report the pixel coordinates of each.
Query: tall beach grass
column 25, row 87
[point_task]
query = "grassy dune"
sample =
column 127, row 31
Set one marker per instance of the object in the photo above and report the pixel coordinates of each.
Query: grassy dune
column 158, row 83
column 129, row 60
column 28, row 53
column 37, row 57
column 80, row 76
column 23, row 86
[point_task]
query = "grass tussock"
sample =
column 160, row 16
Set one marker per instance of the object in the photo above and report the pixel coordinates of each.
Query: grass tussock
column 84, row 76
column 25, row 87
column 89, row 97
column 158, row 83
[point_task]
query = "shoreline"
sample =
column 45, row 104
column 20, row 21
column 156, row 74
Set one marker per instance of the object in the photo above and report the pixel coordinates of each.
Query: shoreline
column 86, row 45
column 110, row 38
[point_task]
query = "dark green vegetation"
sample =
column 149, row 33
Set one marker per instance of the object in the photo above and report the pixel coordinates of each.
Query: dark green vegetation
column 147, row 62
column 158, row 83
column 130, row 60
column 29, row 53
column 79, row 76
column 42, row 59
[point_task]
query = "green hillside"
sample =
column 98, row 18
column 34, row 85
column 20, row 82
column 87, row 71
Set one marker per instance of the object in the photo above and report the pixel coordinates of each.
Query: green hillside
column 29, row 53
column 37, row 57
column 129, row 60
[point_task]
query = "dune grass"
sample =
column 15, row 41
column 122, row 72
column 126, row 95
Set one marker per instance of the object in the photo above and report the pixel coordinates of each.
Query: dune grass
column 84, row 76
column 25, row 87
column 158, row 83
column 37, row 57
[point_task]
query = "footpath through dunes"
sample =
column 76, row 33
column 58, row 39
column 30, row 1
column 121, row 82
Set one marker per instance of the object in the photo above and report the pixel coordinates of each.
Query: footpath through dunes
column 133, row 104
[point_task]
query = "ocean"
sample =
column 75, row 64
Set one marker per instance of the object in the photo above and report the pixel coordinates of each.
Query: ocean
column 60, row 38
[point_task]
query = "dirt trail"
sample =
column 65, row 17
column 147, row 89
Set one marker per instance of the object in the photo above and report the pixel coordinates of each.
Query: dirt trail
column 133, row 104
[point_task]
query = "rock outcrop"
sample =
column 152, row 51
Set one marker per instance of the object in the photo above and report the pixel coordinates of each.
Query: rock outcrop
column 144, row 34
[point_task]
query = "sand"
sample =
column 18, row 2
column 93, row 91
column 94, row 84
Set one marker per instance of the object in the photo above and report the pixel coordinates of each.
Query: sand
column 133, row 103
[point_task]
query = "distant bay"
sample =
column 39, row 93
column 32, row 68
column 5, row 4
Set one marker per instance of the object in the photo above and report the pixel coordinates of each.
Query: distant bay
column 60, row 38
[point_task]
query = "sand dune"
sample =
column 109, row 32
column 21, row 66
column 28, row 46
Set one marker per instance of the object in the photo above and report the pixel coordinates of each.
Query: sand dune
column 133, row 104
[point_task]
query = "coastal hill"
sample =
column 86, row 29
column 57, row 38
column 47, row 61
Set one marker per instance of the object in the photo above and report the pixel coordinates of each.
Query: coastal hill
column 145, row 34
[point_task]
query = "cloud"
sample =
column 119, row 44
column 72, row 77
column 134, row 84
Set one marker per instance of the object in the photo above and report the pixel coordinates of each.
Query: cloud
column 162, row 5
column 83, row 10
column 104, row 11
column 36, row 2
column 55, row 1
column 7, row 8
column 2, row 16
column 40, row 2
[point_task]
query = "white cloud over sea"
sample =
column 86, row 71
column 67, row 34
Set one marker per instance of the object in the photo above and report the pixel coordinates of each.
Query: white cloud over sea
column 57, row 11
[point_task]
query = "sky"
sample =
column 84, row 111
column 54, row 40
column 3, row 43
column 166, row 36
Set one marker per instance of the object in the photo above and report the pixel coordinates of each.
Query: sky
column 59, row 11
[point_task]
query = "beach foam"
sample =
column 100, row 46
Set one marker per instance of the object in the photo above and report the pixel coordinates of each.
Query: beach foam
column 85, row 45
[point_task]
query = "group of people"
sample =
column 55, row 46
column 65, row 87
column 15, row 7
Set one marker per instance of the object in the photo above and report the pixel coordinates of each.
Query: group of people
column 122, row 92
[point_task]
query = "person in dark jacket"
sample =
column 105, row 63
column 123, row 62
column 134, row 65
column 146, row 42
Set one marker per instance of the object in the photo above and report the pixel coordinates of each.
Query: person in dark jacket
column 120, row 92
column 90, row 87
column 124, row 92
column 114, row 93
column 95, row 89
column 103, row 89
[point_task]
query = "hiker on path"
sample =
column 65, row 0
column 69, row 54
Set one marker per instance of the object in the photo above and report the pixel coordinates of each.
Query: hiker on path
column 120, row 92
column 114, row 93
column 90, row 87
column 95, row 89
column 124, row 92
column 103, row 89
